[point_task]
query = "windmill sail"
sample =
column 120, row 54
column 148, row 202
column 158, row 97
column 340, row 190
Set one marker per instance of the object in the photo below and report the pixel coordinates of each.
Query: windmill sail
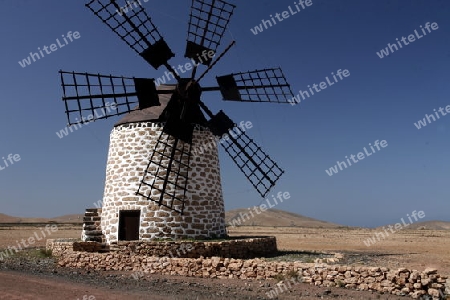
column 90, row 97
column 267, row 85
column 208, row 21
column 166, row 176
column 136, row 29
column 261, row 170
column 257, row 166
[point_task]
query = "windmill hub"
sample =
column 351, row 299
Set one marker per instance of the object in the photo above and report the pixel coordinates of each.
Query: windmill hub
column 189, row 90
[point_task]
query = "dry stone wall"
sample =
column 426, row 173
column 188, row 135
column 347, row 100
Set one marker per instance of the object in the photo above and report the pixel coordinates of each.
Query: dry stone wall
column 413, row 283
column 130, row 148
column 60, row 247
column 172, row 258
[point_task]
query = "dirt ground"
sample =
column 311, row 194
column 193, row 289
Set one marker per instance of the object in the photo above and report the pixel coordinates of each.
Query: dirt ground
column 12, row 234
column 39, row 288
column 417, row 249
column 20, row 286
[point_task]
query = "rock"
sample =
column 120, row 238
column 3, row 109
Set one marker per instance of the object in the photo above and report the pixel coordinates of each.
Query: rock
column 338, row 255
column 434, row 292
column 363, row 287
column 417, row 294
column 429, row 271
column 425, row 281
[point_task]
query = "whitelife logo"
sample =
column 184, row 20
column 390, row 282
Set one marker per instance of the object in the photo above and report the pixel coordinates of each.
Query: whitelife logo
column 130, row 5
column 12, row 158
column 360, row 155
column 431, row 118
column 31, row 240
column 87, row 297
column 161, row 260
column 53, row 47
column 411, row 38
column 243, row 217
column 397, row 226
column 319, row 87
column 206, row 55
column 234, row 132
column 109, row 107
column 266, row 24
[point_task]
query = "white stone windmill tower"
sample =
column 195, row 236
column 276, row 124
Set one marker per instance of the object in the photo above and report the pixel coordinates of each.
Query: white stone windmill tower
column 157, row 184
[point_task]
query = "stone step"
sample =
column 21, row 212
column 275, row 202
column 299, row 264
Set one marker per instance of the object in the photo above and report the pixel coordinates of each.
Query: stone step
column 93, row 232
column 91, row 223
column 87, row 219
column 114, row 248
column 91, row 214
column 90, row 227
column 97, row 239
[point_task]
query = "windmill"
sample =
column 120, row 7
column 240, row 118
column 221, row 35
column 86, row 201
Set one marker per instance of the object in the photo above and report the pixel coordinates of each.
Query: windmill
column 155, row 187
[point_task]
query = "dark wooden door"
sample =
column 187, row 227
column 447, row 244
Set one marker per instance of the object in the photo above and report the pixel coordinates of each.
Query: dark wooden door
column 129, row 225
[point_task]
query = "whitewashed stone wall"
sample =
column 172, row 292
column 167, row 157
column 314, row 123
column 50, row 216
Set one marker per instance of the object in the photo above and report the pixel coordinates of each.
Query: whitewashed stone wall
column 131, row 146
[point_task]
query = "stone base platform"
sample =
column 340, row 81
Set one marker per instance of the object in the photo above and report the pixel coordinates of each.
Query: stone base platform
column 236, row 247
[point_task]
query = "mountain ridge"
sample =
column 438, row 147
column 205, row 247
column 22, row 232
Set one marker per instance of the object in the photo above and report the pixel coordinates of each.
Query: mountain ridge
column 237, row 217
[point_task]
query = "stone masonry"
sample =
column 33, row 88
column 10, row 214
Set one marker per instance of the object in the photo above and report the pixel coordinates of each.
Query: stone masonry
column 92, row 231
column 131, row 146
column 236, row 248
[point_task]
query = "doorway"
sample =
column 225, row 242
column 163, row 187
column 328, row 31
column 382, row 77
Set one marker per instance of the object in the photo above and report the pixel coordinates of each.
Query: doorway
column 129, row 225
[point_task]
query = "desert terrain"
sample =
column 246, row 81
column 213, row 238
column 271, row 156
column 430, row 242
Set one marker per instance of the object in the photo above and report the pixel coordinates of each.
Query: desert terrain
column 298, row 238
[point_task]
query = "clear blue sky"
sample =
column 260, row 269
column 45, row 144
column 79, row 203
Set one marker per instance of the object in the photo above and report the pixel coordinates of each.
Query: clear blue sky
column 380, row 100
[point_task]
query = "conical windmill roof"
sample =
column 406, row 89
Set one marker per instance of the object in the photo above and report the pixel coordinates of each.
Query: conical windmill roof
column 148, row 114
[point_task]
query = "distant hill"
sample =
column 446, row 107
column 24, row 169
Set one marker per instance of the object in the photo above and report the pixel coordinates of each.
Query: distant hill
column 433, row 225
column 69, row 219
column 271, row 217
column 274, row 217
column 8, row 219
column 62, row 219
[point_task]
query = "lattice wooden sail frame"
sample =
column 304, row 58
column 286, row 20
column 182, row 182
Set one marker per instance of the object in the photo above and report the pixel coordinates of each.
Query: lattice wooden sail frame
column 90, row 97
column 266, row 85
column 136, row 29
column 208, row 21
column 166, row 177
column 258, row 167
